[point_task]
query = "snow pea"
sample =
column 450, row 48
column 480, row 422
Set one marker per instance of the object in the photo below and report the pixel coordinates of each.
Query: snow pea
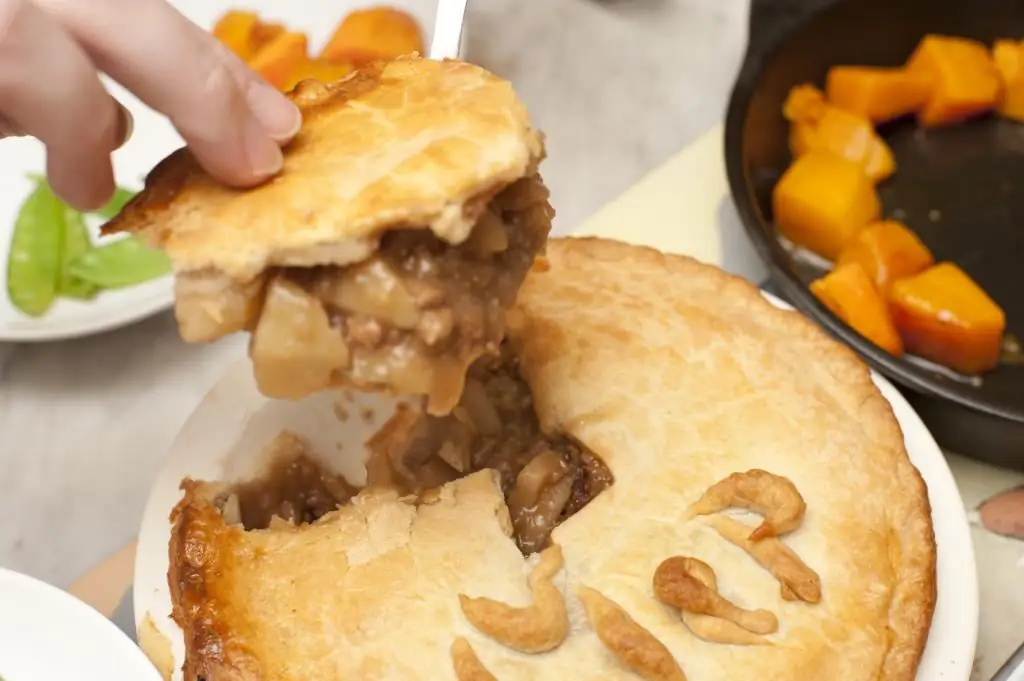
column 121, row 263
column 76, row 244
column 34, row 259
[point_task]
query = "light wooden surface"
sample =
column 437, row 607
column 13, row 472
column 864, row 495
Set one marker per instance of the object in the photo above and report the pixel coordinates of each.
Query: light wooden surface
column 104, row 586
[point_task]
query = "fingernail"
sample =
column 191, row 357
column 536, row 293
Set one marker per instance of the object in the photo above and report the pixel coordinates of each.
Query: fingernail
column 125, row 126
column 277, row 114
column 265, row 157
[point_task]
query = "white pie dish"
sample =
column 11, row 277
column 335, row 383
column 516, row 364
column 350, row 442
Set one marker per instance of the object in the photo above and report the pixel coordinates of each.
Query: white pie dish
column 48, row 634
column 221, row 438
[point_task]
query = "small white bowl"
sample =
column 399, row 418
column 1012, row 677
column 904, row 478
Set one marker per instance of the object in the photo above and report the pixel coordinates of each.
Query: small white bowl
column 47, row 634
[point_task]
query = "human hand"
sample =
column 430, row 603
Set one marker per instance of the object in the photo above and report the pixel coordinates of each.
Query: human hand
column 51, row 52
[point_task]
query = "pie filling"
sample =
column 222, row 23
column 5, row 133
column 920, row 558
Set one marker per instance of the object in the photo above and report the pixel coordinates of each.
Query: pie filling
column 546, row 479
column 409, row 320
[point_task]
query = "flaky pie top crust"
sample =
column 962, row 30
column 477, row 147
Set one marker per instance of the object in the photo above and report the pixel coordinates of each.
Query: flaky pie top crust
column 407, row 143
column 677, row 375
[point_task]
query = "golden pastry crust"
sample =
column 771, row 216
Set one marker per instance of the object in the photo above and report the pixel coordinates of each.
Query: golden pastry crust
column 408, row 143
column 675, row 374
column 380, row 578
column 729, row 384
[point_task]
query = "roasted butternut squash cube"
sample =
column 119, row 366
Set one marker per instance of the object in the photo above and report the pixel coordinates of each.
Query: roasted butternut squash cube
column 371, row 34
column 244, row 34
column 804, row 104
column 848, row 292
column 235, row 30
column 263, row 34
column 822, row 202
column 1008, row 56
column 887, row 251
column 801, row 138
column 276, row 60
column 817, row 125
column 877, row 94
column 965, row 81
column 853, row 138
column 944, row 316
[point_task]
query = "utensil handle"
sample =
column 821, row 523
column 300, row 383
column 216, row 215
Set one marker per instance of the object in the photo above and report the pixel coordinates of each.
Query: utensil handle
column 447, row 40
column 1013, row 670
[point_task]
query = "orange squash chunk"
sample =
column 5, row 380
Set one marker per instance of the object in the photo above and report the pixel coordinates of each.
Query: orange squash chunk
column 278, row 59
column 263, row 34
column 877, row 94
column 372, row 34
column 964, row 78
column 1008, row 56
column 803, row 108
column 848, row 292
column 235, row 29
column 318, row 69
column 944, row 316
column 853, row 138
column 887, row 251
column 801, row 138
column 804, row 104
column 244, row 34
column 817, row 125
column 822, row 202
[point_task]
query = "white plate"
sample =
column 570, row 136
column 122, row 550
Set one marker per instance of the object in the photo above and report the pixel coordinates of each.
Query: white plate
column 234, row 422
column 47, row 635
column 154, row 138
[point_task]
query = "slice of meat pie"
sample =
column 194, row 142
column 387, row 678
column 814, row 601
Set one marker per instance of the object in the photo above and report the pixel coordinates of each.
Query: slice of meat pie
column 386, row 252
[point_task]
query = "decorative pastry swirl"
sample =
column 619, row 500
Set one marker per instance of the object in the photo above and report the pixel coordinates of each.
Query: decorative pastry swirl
column 468, row 666
column 635, row 647
column 773, row 496
column 690, row 585
column 798, row 581
column 536, row 628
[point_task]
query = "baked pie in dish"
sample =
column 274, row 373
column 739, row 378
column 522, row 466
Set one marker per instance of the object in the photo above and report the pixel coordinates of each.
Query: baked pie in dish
column 385, row 253
column 657, row 476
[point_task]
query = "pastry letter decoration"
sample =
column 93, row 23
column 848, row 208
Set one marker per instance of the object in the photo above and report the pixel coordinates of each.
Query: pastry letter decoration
column 632, row 644
column 798, row 581
column 690, row 585
column 468, row 666
column 773, row 496
column 536, row 628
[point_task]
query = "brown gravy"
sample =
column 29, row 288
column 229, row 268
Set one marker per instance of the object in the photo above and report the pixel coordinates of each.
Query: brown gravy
column 546, row 479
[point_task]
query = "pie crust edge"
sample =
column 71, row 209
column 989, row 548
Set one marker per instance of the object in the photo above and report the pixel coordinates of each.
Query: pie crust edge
column 913, row 599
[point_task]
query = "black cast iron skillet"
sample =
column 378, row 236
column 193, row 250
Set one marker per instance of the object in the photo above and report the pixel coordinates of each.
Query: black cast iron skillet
column 960, row 189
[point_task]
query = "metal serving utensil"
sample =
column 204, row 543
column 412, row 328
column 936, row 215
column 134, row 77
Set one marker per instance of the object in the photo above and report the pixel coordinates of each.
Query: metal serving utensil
column 447, row 41
column 1013, row 670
